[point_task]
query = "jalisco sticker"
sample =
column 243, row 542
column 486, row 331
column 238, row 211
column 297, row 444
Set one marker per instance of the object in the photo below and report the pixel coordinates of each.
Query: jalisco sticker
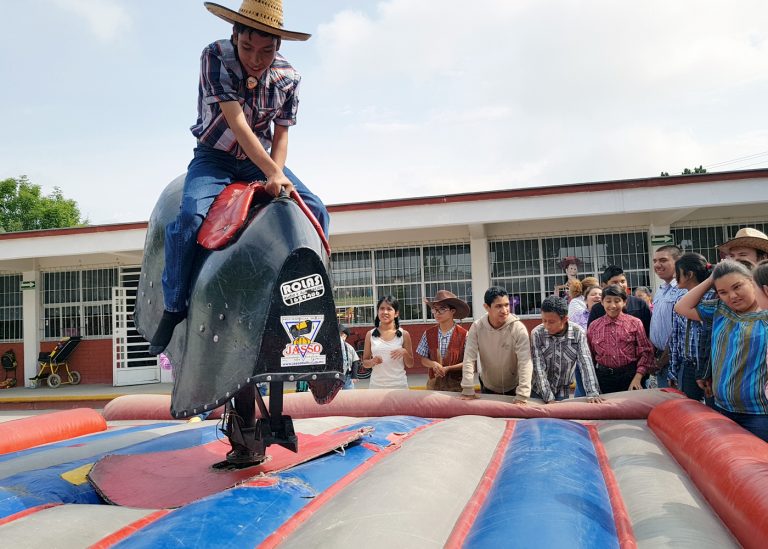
column 302, row 289
column 302, row 350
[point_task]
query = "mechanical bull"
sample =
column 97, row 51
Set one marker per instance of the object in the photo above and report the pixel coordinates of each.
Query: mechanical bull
column 260, row 309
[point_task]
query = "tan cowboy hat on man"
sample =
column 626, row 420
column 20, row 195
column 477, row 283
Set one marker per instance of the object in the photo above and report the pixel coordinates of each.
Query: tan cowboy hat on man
column 749, row 244
column 262, row 15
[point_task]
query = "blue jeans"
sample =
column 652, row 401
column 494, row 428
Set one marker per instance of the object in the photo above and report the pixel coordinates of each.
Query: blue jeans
column 208, row 173
column 348, row 383
column 662, row 378
column 757, row 424
column 580, row 391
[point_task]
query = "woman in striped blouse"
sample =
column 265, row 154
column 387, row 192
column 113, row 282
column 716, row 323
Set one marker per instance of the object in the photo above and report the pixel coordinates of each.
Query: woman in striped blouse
column 739, row 344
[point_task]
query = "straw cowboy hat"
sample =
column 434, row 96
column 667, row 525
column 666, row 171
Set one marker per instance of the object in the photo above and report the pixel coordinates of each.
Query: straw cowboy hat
column 444, row 297
column 263, row 15
column 747, row 238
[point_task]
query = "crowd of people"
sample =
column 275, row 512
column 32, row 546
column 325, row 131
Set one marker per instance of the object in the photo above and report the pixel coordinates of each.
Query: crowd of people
column 704, row 331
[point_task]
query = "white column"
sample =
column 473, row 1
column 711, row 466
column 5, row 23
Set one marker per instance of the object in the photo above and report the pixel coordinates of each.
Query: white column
column 481, row 276
column 30, row 298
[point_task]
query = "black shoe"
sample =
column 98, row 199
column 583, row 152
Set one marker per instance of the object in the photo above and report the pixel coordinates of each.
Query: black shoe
column 240, row 458
column 164, row 332
column 247, row 450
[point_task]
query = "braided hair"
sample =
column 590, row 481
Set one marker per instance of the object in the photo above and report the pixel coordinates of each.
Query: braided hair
column 391, row 300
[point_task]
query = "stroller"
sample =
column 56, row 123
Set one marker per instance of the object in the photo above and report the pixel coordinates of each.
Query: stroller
column 50, row 363
column 9, row 365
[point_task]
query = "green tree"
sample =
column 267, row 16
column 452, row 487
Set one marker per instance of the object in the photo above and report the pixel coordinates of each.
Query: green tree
column 688, row 171
column 23, row 207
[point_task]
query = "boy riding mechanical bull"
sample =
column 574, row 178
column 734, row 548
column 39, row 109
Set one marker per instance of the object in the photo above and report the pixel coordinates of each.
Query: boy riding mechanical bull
column 260, row 308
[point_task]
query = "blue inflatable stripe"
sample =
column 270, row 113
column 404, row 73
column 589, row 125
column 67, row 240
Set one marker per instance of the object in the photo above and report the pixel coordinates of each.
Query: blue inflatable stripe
column 245, row 516
column 549, row 492
column 30, row 488
column 82, row 440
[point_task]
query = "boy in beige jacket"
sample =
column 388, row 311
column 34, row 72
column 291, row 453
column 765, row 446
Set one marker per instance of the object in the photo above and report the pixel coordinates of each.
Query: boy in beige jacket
column 500, row 341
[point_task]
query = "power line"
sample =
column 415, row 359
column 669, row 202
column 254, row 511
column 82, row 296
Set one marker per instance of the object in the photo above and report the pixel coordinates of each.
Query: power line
column 763, row 162
column 736, row 160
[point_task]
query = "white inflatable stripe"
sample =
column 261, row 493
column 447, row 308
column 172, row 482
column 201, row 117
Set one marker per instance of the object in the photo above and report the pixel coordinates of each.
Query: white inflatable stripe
column 665, row 507
column 414, row 496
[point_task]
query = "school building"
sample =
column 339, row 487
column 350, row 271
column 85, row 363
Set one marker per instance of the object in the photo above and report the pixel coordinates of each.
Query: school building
column 80, row 281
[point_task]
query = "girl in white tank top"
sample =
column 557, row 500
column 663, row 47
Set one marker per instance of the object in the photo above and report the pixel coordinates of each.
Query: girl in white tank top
column 388, row 348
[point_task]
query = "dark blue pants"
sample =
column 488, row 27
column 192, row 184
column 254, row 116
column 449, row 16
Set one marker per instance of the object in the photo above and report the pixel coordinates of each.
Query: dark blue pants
column 757, row 424
column 209, row 172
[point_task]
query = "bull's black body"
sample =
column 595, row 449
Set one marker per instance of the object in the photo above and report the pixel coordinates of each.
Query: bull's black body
column 260, row 309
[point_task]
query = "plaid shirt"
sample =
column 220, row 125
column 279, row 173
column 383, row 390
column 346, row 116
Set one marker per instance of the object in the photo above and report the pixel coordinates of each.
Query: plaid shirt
column 621, row 341
column 679, row 348
column 274, row 99
column 555, row 358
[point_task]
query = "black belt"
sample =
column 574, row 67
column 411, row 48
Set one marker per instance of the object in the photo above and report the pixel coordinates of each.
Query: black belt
column 611, row 371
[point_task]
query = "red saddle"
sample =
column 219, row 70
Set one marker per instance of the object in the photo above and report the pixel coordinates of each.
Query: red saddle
column 230, row 210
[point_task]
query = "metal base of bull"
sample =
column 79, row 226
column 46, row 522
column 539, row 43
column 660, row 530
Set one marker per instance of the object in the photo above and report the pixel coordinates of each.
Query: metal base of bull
column 250, row 437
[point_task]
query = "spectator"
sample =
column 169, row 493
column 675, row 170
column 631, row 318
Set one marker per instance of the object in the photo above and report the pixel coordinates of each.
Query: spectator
column 748, row 244
column 663, row 302
column 685, row 358
column 634, row 305
column 592, row 295
column 623, row 353
column 574, row 289
column 645, row 293
column 442, row 347
column 739, row 339
column 349, row 356
column 558, row 346
column 576, row 303
column 499, row 342
column 760, row 276
column 388, row 348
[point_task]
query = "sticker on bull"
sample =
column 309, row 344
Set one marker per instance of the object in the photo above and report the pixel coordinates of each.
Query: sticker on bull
column 302, row 289
column 302, row 350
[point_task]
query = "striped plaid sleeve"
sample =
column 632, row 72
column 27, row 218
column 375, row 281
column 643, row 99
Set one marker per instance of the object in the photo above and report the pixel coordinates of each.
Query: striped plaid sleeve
column 540, row 381
column 588, row 376
column 217, row 82
column 286, row 116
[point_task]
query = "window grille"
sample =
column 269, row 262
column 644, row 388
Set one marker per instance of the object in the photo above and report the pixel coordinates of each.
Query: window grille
column 78, row 303
column 516, row 267
column 530, row 269
column 705, row 239
column 352, row 278
column 11, row 308
column 448, row 267
column 407, row 273
column 702, row 240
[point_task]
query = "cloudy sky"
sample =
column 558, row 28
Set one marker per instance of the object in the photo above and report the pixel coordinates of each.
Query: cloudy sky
column 399, row 98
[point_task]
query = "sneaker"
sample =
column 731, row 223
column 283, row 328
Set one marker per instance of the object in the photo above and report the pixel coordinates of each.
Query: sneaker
column 164, row 331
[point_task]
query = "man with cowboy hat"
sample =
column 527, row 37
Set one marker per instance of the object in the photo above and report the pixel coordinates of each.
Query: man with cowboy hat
column 749, row 244
column 248, row 96
column 442, row 346
column 247, row 91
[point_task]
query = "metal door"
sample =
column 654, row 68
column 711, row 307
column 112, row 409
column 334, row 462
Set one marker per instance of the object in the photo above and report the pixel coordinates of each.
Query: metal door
column 132, row 364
